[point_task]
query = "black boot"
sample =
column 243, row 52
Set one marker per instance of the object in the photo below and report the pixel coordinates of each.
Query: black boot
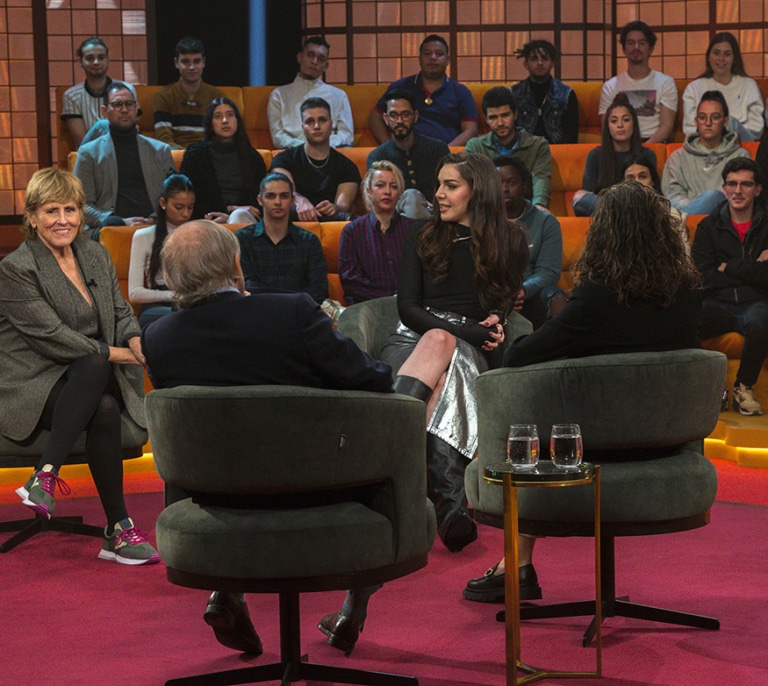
column 410, row 385
column 445, row 487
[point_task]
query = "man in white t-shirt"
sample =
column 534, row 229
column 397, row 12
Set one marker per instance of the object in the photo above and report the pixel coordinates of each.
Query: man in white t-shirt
column 652, row 94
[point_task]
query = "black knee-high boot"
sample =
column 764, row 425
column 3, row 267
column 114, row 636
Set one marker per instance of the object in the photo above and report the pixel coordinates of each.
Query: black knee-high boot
column 445, row 478
column 445, row 487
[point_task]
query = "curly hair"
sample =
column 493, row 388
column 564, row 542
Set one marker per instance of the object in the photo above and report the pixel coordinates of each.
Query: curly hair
column 499, row 246
column 634, row 245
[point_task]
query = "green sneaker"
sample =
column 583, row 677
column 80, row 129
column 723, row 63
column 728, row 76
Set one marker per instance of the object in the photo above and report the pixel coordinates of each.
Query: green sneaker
column 128, row 545
column 37, row 493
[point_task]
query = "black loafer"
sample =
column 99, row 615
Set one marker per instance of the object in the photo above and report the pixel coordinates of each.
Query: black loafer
column 231, row 623
column 342, row 631
column 489, row 588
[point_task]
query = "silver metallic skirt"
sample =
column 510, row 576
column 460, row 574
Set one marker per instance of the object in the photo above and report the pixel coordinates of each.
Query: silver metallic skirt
column 454, row 419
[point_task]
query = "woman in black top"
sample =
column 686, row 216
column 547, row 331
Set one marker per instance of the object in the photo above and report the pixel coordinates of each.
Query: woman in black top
column 224, row 169
column 459, row 274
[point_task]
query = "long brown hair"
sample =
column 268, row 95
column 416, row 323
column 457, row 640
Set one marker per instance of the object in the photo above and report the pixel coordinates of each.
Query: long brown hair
column 634, row 245
column 608, row 166
column 499, row 246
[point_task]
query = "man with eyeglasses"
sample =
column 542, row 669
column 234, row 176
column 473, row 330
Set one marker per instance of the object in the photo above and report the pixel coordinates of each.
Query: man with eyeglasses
column 122, row 172
column 730, row 250
column 416, row 155
column 691, row 178
column 284, row 105
column 651, row 93
column 447, row 110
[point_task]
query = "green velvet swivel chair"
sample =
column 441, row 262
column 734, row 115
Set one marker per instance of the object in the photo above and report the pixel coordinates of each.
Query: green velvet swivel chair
column 643, row 418
column 291, row 490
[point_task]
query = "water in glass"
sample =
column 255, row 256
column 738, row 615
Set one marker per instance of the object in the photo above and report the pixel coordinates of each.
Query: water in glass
column 523, row 446
column 565, row 446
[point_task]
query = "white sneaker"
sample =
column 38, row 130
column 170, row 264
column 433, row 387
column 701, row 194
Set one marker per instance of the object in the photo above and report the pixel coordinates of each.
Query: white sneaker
column 744, row 400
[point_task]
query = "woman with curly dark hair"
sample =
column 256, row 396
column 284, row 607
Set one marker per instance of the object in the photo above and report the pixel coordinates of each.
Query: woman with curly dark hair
column 459, row 274
column 224, row 168
column 637, row 290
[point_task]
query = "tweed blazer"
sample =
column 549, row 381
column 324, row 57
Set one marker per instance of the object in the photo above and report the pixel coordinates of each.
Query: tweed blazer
column 38, row 334
column 96, row 167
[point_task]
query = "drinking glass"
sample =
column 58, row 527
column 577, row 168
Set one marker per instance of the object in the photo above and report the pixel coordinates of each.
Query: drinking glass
column 523, row 446
column 565, row 446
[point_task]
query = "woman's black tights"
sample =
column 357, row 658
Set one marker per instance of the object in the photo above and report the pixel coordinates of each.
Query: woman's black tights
column 84, row 399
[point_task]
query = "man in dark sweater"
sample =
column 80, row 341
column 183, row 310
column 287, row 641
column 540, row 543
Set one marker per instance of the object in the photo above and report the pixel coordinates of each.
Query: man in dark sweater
column 122, row 172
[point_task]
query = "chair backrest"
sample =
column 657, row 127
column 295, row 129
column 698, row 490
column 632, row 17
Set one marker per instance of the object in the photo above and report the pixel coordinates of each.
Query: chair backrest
column 621, row 401
column 278, row 440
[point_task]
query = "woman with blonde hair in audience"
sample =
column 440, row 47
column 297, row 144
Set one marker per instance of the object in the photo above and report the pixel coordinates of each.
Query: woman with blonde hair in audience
column 459, row 275
column 621, row 139
column 370, row 246
column 146, row 283
column 67, row 335
column 725, row 72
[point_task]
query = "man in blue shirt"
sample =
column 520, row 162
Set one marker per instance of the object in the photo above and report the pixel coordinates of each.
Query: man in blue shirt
column 447, row 110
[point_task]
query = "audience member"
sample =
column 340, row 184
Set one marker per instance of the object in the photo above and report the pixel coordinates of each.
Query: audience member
column 651, row 93
column 146, row 283
column 691, row 176
column 416, row 155
column 506, row 138
column 725, row 72
column 539, row 298
column 221, row 338
column 459, row 275
column 277, row 255
column 122, row 172
column 730, row 249
column 447, row 110
column 67, row 333
column 370, row 246
column 621, row 140
column 325, row 181
column 636, row 291
column 224, row 168
column 81, row 105
column 546, row 106
column 284, row 105
column 179, row 107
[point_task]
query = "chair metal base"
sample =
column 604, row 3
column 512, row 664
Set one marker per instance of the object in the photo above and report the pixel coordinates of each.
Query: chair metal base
column 612, row 606
column 292, row 666
column 26, row 528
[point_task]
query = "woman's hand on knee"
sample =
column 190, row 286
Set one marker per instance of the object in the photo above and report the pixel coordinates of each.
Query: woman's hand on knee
column 123, row 356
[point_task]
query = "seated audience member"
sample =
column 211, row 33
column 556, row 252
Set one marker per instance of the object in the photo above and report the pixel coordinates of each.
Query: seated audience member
column 546, row 107
column 640, row 168
column 506, row 138
column 651, row 93
column 81, row 105
column 447, row 110
column 621, row 140
column 219, row 337
column 277, row 255
column 370, row 246
column 539, row 297
column 122, row 172
column 179, row 107
column 284, row 105
column 66, row 333
column 725, row 72
column 224, row 168
column 730, row 249
column 146, row 284
column 324, row 180
column 642, row 295
column 691, row 177
column 416, row 155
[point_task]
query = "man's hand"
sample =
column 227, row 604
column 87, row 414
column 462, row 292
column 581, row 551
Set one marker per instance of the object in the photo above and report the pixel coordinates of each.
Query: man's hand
column 218, row 217
column 763, row 256
column 326, row 208
column 305, row 209
column 519, row 300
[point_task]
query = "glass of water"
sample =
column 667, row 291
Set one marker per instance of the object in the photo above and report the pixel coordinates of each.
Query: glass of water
column 523, row 446
column 565, row 446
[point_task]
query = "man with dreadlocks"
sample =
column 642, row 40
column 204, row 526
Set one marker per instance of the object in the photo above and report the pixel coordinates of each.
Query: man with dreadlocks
column 546, row 106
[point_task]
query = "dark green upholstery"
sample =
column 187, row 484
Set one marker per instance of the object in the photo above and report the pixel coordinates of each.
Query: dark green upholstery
column 294, row 489
column 27, row 453
column 643, row 417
